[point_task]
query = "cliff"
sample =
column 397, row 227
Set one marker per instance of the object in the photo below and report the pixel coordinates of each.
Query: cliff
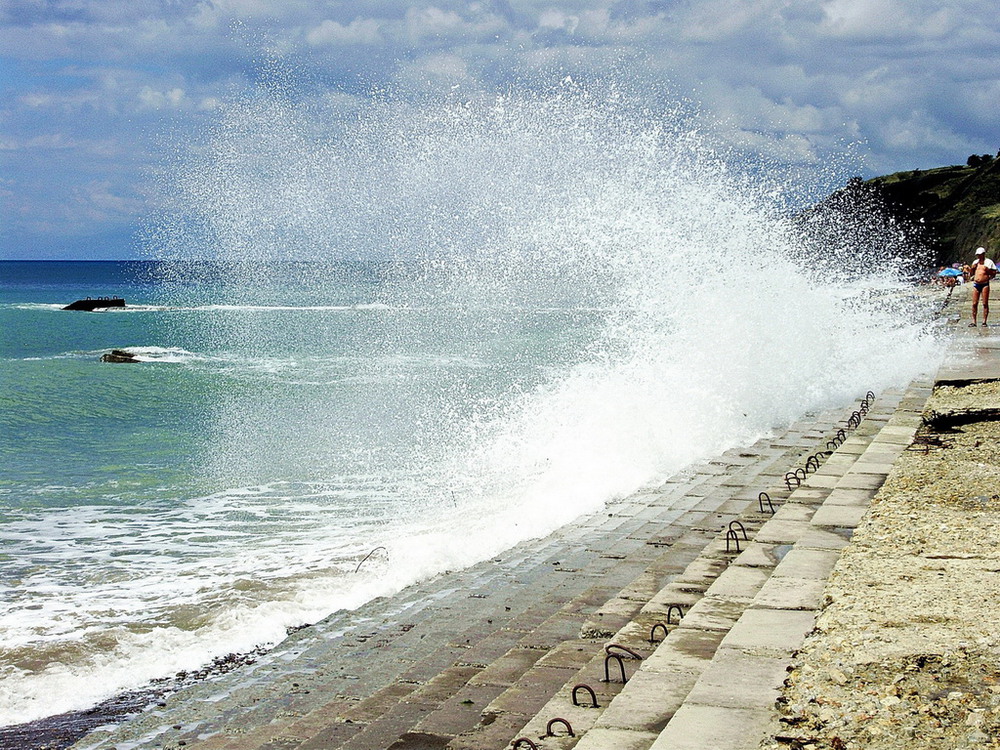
column 940, row 216
column 958, row 207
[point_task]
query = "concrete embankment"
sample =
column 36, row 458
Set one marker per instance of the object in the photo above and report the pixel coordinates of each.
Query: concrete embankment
column 662, row 588
column 469, row 658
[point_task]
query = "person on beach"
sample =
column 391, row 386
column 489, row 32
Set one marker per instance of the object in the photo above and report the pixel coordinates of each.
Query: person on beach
column 983, row 269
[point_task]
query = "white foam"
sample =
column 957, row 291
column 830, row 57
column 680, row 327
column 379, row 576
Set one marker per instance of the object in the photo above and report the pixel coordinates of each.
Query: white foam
column 165, row 354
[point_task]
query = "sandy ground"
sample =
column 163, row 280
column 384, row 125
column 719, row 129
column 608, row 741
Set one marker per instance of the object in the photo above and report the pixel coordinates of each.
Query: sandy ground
column 907, row 652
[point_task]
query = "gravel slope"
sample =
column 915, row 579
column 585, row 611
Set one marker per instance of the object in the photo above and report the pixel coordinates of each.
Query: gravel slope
column 907, row 652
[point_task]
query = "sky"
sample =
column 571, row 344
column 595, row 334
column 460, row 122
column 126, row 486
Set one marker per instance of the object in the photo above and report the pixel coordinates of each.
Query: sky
column 100, row 96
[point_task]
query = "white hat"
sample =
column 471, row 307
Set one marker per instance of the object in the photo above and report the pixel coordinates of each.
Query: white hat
column 981, row 251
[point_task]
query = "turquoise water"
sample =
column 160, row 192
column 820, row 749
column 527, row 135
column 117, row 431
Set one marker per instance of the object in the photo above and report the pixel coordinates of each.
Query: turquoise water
column 71, row 425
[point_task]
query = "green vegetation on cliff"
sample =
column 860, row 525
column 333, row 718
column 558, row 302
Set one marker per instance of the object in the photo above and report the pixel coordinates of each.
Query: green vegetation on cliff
column 954, row 209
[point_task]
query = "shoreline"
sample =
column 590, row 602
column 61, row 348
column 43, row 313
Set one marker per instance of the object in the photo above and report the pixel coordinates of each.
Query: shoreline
column 455, row 645
column 68, row 729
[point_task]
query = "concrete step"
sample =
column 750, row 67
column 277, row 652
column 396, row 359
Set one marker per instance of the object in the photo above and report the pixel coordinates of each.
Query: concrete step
column 729, row 705
column 475, row 686
column 746, row 662
column 714, row 592
column 527, row 674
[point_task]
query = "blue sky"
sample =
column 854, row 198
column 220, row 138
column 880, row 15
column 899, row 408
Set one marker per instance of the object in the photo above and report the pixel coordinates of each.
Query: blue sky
column 99, row 95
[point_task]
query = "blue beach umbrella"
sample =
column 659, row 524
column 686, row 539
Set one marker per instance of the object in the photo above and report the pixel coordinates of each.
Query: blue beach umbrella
column 950, row 272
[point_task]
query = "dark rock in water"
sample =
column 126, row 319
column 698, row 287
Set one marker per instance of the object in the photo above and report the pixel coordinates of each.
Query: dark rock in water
column 119, row 355
column 100, row 303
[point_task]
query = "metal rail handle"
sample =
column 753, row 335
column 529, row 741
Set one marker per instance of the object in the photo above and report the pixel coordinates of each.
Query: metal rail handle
column 731, row 535
column 621, row 665
column 652, row 632
column 670, row 612
column 627, row 651
column 760, row 501
column 553, row 722
column 363, row 561
column 589, row 689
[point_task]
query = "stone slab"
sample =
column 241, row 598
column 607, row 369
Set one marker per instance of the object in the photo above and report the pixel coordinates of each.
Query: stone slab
column 509, row 668
column 528, row 696
column 648, row 701
column 861, row 481
column 819, row 480
column 781, row 630
column 842, row 516
column 461, row 712
column 808, row 563
column 739, row 582
column 444, row 685
column 714, row 613
column 684, row 649
column 792, row 512
column 702, row 571
column 853, row 496
column 781, row 532
column 825, row 538
column 698, row 727
column 571, row 654
column 618, row 739
column 791, row 593
column 809, row 495
column 390, row 726
column 670, row 595
column 759, row 555
column 332, row 735
column 494, row 730
column 368, row 709
column 740, row 679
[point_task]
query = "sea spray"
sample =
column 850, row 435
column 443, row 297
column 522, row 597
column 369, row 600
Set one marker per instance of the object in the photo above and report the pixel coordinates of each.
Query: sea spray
column 438, row 328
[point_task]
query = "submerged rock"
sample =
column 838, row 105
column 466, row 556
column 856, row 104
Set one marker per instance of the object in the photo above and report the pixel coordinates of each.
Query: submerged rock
column 100, row 303
column 119, row 355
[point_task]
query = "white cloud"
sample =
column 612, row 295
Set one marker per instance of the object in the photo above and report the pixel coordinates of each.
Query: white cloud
column 916, row 80
column 149, row 98
column 867, row 20
column 358, row 31
column 51, row 141
column 66, row 102
column 918, row 131
column 552, row 18
column 98, row 201
column 432, row 23
column 864, row 18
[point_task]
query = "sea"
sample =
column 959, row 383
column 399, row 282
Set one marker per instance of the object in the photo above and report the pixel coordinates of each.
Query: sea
column 368, row 357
